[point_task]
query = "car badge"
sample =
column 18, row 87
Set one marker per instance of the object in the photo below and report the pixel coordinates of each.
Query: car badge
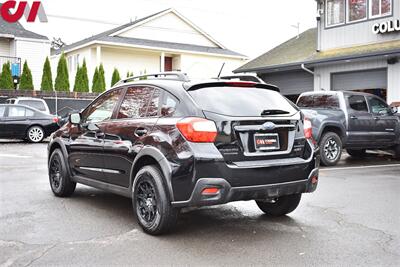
column 268, row 126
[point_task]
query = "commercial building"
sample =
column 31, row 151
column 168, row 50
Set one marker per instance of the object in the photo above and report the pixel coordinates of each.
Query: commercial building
column 355, row 46
column 164, row 41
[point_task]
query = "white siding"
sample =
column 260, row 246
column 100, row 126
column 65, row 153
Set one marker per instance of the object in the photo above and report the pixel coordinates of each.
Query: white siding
column 359, row 33
column 169, row 28
column 393, row 93
column 136, row 61
column 204, row 67
column 35, row 52
column 5, row 49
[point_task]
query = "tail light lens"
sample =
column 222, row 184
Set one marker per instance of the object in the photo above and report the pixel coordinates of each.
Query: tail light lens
column 198, row 130
column 55, row 119
column 307, row 128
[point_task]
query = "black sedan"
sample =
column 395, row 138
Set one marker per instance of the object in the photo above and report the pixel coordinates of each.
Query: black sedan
column 23, row 122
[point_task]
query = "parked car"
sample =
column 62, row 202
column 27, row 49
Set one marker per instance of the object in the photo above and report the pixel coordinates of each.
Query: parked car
column 169, row 143
column 36, row 103
column 351, row 120
column 23, row 122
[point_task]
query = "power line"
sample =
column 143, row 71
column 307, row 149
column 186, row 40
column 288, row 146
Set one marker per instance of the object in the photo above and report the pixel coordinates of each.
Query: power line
column 84, row 19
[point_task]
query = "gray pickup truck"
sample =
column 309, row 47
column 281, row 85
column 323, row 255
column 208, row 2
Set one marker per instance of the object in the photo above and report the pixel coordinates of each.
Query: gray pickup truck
column 350, row 120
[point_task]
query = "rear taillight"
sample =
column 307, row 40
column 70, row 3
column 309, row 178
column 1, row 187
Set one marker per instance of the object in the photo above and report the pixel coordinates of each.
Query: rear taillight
column 197, row 130
column 241, row 84
column 307, row 128
column 55, row 119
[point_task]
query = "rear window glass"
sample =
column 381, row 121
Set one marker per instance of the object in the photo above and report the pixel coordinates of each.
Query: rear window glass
column 240, row 101
column 34, row 104
column 318, row 101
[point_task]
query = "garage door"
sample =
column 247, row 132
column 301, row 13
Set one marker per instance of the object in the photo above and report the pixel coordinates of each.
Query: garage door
column 291, row 83
column 370, row 79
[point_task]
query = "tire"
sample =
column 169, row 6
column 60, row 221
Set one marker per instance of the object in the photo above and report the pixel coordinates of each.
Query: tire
column 330, row 149
column 60, row 181
column 281, row 206
column 356, row 153
column 151, row 203
column 35, row 134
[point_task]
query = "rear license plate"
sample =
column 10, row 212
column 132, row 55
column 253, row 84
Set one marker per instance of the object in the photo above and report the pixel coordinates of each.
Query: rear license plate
column 268, row 141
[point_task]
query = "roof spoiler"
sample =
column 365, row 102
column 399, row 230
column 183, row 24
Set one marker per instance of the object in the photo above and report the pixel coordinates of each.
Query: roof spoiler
column 233, row 84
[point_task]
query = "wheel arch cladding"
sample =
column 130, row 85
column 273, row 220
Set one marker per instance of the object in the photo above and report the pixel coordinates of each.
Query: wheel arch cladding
column 331, row 127
column 152, row 156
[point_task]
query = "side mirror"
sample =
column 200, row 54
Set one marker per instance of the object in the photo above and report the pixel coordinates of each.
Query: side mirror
column 75, row 118
column 394, row 110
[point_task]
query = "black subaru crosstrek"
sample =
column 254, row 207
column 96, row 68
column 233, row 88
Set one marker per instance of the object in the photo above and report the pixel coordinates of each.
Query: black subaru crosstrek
column 169, row 143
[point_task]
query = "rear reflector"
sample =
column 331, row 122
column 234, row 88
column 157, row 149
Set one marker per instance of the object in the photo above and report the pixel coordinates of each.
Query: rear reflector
column 307, row 129
column 197, row 130
column 210, row 191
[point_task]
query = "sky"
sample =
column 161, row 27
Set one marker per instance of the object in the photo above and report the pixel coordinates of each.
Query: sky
column 250, row 27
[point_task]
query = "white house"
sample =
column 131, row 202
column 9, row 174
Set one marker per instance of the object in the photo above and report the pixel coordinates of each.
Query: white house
column 164, row 41
column 18, row 45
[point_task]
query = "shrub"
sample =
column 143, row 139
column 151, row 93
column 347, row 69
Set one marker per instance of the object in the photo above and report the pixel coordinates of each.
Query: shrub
column 47, row 80
column 78, row 80
column 62, row 79
column 84, row 77
column 96, row 83
column 26, row 78
column 115, row 77
column 102, row 79
column 6, row 80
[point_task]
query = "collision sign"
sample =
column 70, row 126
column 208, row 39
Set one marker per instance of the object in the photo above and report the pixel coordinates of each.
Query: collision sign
column 386, row 27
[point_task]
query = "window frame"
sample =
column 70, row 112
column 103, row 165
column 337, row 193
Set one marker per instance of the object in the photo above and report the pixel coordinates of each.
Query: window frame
column 326, row 15
column 380, row 10
column 348, row 12
column 346, row 20
column 354, row 111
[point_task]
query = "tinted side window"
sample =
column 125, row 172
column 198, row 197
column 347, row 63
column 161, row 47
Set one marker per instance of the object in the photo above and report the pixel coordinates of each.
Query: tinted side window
column 102, row 109
column 152, row 110
column 377, row 106
column 319, row 101
column 357, row 103
column 169, row 107
column 2, row 110
column 136, row 102
column 29, row 113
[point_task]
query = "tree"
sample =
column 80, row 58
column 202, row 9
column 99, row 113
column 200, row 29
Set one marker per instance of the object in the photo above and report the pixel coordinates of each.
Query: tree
column 78, row 80
column 47, row 79
column 102, row 78
column 115, row 77
column 144, row 77
column 62, row 79
column 96, row 83
column 85, row 78
column 6, row 80
column 129, row 74
column 26, row 78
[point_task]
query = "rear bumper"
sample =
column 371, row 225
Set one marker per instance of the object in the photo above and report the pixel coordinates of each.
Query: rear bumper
column 228, row 193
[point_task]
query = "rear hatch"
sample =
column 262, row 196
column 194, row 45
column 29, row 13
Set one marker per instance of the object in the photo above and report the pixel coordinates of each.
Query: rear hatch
column 253, row 123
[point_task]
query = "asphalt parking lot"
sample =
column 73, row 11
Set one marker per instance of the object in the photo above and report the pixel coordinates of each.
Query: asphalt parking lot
column 352, row 219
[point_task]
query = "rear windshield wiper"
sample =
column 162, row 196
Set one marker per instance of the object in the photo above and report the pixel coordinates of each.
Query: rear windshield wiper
column 273, row 112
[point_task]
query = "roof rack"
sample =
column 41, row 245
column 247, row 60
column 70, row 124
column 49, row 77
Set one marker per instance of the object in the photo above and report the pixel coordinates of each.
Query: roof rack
column 170, row 75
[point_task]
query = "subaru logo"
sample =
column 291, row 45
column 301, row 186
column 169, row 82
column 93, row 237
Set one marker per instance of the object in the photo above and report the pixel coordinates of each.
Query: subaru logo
column 268, row 126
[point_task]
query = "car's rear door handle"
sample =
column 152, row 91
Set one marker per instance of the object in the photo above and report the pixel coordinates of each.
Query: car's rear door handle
column 140, row 132
column 353, row 117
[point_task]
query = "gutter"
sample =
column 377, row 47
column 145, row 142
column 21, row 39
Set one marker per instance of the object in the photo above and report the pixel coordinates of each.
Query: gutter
column 307, row 70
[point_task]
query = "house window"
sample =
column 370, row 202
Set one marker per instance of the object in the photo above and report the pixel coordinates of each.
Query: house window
column 378, row 8
column 335, row 12
column 356, row 10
